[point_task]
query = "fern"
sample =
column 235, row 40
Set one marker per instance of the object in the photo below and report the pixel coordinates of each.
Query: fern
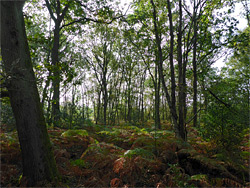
column 199, row 177
column 80, row 163
column 133, row 128
column 177, row 177
column 231, row 183
column 139, row 152
column 102, row 148
column 162, row 133
column 143, row 141
column 70, row 133
column 114, row 132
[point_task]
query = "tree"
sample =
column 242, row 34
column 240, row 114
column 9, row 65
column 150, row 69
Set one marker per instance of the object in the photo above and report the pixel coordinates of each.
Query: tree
column 139, row 34
column 60, row 14
column 37, row 156
column 178, row 120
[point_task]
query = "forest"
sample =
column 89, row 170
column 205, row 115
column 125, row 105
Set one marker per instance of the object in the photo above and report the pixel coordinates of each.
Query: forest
column 116, row 93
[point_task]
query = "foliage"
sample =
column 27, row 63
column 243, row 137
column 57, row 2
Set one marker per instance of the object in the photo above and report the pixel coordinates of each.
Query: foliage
column 227, row 113
column 80, row 163
column 70, row 133
column 139, row 152
column 95, row 160
column 108, row 66
column 177, row 177
column 7, row 117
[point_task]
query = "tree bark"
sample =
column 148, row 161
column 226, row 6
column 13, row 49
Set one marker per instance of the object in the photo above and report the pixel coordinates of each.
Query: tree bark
column 56, row 76
column 60, row 14
column 195, row 68
column 157, row 97
column 37, row 156
column 178, row 121
column 172, row 102
column 170, row 99
column 105, row 93
column 98, row 107
column 45, row 90
column 181, row 79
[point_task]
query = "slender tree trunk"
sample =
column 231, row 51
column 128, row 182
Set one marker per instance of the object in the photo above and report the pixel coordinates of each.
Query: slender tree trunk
column 45, row 90
column 195, row 69
column 37, row 155
column 248, row 101
column 72, row 109
column 105, row 102
column 142, row 109
column 48, row 112
column 157, row 98
column 98, row 107
column 179, row 122
column 55, row 57
column 181, row 79
column 56, row 76
column 125, row 107
column 171, row 100
column 83, row 109
column 129, row 101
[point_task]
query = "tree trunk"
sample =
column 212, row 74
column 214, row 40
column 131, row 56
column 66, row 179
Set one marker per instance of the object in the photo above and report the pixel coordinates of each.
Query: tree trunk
column 157, row 98
column 172, row 102
column 83, row 107
column 47, row 83
column 45, row 89
column 37, row 155
column 56, row 76
column 72, row 108
column 98, row 107
column 195, row 70
column 55, row 57
column 105, row 100
column 179, row 122
column 48, row 111
column 181, row 80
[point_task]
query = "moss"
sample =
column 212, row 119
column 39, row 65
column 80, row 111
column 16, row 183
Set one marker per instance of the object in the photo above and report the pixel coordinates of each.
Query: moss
column 70, row 133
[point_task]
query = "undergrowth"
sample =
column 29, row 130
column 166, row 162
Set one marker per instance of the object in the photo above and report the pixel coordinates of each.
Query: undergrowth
column 129, row 156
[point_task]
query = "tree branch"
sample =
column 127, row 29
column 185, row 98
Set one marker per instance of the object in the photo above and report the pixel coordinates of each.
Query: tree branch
column 91, row 20
column 217, row 98
column 50, row 10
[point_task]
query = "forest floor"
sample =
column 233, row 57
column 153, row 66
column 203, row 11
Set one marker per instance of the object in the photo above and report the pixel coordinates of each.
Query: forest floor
column 128, row 156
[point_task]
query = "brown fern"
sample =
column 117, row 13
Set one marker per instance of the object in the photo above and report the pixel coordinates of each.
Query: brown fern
column 231, row 183
column 118, row 165
column 115, row 183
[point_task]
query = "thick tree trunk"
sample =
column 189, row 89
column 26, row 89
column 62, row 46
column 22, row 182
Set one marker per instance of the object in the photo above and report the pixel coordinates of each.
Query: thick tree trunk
column 37, row 156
